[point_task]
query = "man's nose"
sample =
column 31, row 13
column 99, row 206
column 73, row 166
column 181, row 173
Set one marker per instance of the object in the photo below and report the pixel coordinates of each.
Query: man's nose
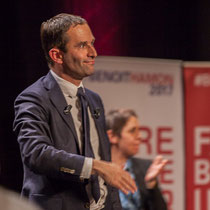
column 92, row 51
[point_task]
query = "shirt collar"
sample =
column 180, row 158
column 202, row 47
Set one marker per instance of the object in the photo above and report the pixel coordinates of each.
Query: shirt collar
column 67, row 88
column 128, row 165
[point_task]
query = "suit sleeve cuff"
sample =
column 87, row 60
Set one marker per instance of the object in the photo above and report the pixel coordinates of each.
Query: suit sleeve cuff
column 87, row 168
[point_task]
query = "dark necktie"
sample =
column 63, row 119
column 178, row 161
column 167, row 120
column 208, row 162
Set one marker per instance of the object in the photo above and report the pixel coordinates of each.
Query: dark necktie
column 87, row 150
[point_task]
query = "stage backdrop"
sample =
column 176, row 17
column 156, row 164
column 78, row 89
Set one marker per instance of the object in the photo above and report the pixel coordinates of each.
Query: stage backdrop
column 197, row 114
column 153, row 88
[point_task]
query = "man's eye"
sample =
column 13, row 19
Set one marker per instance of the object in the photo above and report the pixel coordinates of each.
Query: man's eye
column 82, row 45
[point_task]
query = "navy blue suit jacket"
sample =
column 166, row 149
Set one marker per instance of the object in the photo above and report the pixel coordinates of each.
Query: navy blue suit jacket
column 49, row 147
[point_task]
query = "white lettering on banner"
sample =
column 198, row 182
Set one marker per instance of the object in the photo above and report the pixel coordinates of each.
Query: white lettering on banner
column 208, row 200
column 201, row 167
column 202, row 80
column 200, row 139
column 202, row 171
column 198, row 195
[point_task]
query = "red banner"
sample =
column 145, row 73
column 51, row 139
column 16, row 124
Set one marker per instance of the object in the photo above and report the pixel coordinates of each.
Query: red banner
column 197, row 116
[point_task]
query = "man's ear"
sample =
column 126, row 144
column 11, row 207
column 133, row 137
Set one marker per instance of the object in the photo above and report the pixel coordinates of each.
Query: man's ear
column 112, row 138
column 56, row 55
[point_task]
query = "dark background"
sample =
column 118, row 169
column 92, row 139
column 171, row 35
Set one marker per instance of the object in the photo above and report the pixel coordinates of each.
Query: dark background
column 178, row 29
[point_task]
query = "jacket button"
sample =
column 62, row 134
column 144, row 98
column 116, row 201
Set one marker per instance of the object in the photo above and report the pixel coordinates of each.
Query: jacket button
column 87, row 205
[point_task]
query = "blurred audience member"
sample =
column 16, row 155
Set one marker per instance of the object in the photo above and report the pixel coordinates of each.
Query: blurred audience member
column 123, row 131
column 10, row 200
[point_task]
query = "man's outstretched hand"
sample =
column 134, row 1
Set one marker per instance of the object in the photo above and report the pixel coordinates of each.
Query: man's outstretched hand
column 114, row 175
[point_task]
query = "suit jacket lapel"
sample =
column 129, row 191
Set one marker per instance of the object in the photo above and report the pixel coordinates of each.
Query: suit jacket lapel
column 58, row 100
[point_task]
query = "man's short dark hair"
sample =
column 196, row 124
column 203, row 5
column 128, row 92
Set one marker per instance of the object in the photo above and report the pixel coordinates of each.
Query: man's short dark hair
column 53, row 32
column 116, row 119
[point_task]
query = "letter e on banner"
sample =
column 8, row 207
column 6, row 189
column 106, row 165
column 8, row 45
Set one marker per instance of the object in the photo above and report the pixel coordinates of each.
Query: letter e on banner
column 163, row 141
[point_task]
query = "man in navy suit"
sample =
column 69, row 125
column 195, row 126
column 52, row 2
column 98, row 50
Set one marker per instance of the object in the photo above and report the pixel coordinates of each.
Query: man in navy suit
column 124, row 135
column 48, row 123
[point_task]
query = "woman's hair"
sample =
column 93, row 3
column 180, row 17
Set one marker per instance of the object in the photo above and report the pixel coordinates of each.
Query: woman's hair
column 116, row 119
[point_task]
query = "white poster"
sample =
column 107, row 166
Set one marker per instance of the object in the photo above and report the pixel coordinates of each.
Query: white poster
column 153, row 88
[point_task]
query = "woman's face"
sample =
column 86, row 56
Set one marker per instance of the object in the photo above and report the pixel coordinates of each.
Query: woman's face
column 129, row 141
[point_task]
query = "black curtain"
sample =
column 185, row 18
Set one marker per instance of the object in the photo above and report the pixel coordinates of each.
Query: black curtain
column 148, row 28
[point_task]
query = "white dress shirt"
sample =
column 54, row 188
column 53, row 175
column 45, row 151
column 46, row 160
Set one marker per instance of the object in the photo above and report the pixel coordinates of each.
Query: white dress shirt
column 69, row 91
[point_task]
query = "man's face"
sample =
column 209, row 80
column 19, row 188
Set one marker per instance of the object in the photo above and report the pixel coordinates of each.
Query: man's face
column 129, row 141
column 78, row 61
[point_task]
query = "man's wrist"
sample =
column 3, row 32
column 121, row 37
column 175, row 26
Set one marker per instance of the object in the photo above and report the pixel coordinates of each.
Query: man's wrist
column 97, row 166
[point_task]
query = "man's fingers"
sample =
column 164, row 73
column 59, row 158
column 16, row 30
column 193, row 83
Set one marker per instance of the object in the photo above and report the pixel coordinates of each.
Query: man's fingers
column 124, row 190
column 124, row 182
column 128, row 182
column 115, row 176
